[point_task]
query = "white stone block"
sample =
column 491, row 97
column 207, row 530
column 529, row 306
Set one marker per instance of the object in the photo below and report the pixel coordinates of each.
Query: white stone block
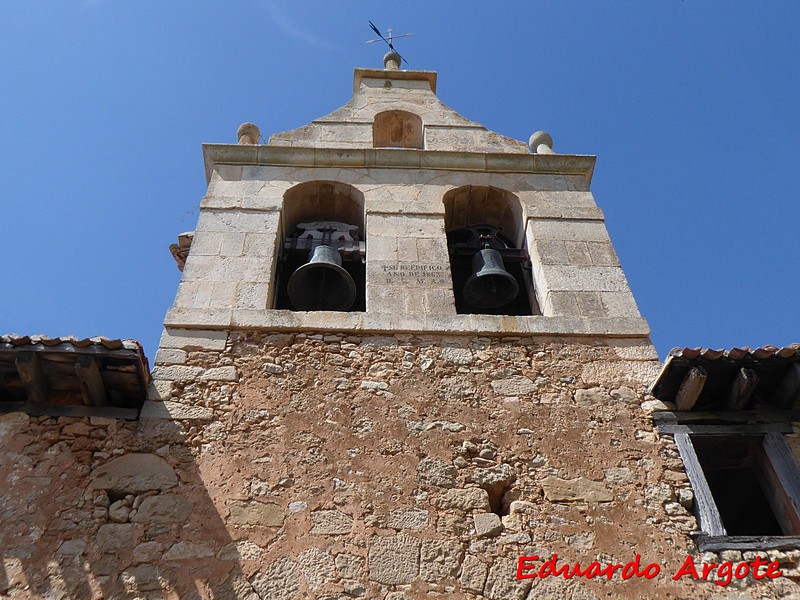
column 433, row 250
column 233, row 189
column 273, row 319
column 407, row 250
column 382, row 248
column 198, row 317
column 252, row 296
column 232, row 244
column 549, row 229
column 261, row 245
column 620, row 304
column 603, row 254
column 403, row 226
column 205, row 294
column 227, row 268
column 170, row 356
column 238, row 221
column 440, row 302
column 590, row 304
column 600, row 279
column 177, row 372
column 550, row 252
column 206, row 243
column 560, row 304
column 227, row 373
column 578, row 254
column 193, row 339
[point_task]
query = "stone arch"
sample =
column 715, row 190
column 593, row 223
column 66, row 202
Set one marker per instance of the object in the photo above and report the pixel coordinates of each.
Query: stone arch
column 397, row 129
column 322, row 201
column 470, row 205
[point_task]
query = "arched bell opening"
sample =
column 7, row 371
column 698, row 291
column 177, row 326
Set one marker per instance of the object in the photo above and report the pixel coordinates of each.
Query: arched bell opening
column 321, row 265
column 489, row 263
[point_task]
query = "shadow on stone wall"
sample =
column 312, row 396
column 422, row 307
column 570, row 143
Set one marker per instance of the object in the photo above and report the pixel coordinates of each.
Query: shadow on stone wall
column 100, row 508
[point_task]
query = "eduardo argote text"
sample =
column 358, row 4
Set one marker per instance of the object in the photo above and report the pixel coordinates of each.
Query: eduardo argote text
column 531, row 567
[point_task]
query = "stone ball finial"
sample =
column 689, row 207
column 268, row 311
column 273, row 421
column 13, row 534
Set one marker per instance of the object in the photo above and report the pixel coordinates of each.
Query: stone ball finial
column 391, row 61
column 541, row 143
column 248, row 134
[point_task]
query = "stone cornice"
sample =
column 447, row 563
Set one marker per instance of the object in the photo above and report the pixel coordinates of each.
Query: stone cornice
column 285, row 320
column 285, row 156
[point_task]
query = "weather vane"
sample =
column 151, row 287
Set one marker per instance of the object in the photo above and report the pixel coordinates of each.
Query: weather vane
column 389, row 41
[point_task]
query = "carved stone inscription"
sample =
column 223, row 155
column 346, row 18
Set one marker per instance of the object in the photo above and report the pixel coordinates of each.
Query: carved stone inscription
column 416, row 274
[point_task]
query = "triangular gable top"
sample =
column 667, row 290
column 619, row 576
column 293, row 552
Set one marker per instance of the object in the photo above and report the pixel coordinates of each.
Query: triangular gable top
column 380, row 91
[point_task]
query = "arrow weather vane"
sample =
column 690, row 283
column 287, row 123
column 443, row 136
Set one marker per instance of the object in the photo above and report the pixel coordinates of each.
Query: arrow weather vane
column 389, row 41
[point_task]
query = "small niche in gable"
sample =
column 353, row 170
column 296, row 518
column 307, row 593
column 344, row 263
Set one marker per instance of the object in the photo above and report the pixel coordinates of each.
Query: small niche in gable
column 397, row 129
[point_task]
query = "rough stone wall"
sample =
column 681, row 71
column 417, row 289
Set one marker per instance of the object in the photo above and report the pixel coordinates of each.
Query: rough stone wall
column 280, row 466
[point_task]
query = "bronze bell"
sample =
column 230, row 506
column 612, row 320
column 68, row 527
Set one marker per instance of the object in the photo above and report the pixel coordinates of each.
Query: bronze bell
column 322, row 283
column 490, row 285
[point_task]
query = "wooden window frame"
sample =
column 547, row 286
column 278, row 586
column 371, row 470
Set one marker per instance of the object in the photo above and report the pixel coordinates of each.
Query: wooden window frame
column 713, row 536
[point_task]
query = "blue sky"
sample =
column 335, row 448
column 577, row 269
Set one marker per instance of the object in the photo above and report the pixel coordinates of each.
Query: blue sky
column 691, row 107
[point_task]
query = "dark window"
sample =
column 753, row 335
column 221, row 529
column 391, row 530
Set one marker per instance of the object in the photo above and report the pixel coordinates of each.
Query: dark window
column 746, row 485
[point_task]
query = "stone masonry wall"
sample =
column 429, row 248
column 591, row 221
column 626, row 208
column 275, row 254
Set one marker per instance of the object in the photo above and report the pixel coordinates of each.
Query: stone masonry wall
column 281, row 466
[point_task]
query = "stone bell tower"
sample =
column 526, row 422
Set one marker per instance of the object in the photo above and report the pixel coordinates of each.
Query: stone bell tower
column 412, row 196
column 403, row 354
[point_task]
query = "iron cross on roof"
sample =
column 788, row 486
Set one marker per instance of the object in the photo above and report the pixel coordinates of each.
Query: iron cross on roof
column 389, row 41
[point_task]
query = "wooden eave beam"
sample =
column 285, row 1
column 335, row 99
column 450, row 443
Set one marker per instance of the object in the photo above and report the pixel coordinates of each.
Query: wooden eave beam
column 742, row 389
column 29, row 369
column 92, row 388
column 691, row 387
column 788, row 392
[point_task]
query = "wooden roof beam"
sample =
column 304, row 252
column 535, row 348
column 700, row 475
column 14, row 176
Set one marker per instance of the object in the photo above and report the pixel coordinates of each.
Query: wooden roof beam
column 92, row 388
column 742, row 389
column 29, row 369
column 690, row 389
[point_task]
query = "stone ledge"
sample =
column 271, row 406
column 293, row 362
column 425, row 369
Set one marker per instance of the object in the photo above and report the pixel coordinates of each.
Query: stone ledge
column 366, row 322
column 490, row 162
